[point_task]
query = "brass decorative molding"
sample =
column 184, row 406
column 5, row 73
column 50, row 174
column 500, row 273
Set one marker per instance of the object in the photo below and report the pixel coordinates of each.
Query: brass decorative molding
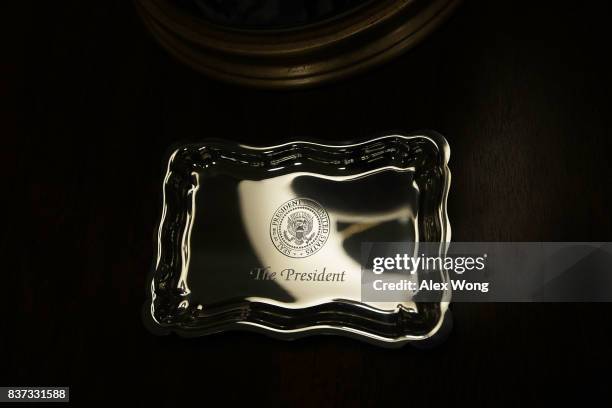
column 295, row 56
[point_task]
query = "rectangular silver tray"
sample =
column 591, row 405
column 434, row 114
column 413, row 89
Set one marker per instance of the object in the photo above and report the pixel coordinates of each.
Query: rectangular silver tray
column 269, row 238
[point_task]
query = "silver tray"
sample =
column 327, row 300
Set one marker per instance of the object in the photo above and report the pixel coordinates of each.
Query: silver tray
column 269, row 238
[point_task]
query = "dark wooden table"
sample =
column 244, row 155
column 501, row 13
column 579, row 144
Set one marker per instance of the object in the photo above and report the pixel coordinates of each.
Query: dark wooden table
column 90, row 105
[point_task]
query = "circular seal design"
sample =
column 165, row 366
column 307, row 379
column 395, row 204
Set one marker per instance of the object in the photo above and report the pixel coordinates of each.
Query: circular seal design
column 299, row 227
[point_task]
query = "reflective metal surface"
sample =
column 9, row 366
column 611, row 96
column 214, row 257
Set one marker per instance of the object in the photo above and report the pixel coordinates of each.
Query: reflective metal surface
column 269, row 238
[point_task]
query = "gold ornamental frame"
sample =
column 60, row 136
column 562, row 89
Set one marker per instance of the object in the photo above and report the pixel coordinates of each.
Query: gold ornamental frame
column 298, row 57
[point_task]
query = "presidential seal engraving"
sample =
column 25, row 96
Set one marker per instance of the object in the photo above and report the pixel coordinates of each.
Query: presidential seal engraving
column 299, row 227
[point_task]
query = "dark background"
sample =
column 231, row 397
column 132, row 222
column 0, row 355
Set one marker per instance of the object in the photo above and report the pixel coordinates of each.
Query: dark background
column 90, row 104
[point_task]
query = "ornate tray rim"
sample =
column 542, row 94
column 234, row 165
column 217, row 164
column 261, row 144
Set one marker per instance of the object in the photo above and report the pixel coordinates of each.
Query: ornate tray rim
column 437, row 329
